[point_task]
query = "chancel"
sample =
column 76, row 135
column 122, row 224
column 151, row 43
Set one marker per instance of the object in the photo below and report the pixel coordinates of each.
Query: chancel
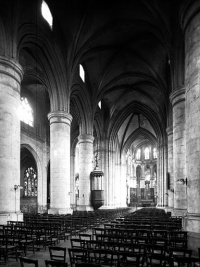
column 99, row 108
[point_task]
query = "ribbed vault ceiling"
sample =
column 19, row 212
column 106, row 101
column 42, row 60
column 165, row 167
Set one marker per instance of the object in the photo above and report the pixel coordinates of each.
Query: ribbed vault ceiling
column 125, row 49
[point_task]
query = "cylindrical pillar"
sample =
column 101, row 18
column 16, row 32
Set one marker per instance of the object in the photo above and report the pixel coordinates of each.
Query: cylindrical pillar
column 10, row 80
column 117, row 185
column 72, row 181
column 192, row 81
column 165, row 189
column 159, row 176
column 85, row 168
column 123, row 189
column 170, row 168
column 178, row 103
column 60, row 123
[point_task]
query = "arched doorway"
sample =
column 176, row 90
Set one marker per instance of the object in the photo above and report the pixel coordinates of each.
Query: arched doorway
column 29, row 182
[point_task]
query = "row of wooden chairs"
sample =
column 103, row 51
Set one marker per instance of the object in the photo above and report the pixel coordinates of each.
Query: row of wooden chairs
column 34, row 262
column 174, row 242
column 36, row 232
column 50, row 263
column 139, row 232
column 127, row 258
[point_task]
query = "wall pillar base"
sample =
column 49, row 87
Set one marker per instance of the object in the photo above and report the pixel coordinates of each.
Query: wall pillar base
column 179, row 212
column 84, row 208
column 60, row 211
column 11, row 216
column 169, row 210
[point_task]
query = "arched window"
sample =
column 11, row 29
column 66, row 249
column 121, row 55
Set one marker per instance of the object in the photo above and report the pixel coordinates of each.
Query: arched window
column 26, row 112
column 155, row 153
column 99, row 104
column 138, row 154
column 46, row 13
column 82, row 72
column 30, row 182
column 146, row 153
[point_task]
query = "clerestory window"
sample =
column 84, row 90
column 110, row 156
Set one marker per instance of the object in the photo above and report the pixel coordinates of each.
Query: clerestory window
column 155, row 153
column 146, row 153
column 26, row 112
column 82, row 72
column 138, row 154
column 46, row 13
column 99, row 104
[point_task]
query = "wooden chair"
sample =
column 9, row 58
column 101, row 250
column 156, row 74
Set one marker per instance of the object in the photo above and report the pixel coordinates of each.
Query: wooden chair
column 158, row 260
column 175, row 252
column 186, row 261
column 7, row 250
column 77, row 243
column 178, row 239
column 197, row 264
column 27, row 261
column 94, row 244
column 26, row 244
column 85, row 236
column 128, row 258
column 58, row 253
column 104, row 257
column 77, row 255
column 51, row 263
column 82, row 264
column 155, row 249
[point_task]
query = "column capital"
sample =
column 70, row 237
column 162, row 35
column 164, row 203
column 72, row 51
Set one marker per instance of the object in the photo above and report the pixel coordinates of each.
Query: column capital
column 169, row 130
column 177, row 96
column 86, row 138
column 11, row 68
column 59, row 116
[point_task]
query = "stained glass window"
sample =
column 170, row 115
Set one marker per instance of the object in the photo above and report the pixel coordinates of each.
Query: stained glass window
column 30, row 182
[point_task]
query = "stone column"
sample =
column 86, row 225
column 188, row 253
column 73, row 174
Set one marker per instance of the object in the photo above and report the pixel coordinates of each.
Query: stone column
column 159, row 177
column 10, row 80
column 117, row 185
column 192, row 81
column 111, row 178
column 60, row 122
column 170, row 168
column 164, row 173
column 72, row 180
column 178, row 103
column 86, row 166
column 122, row 188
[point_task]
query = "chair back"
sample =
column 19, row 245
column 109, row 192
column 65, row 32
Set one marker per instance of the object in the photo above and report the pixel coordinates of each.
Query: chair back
column 28, row 262
column 83, row 264
column 187, row 261
column 77, row 255
column 50, row 263
column 58, row 253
